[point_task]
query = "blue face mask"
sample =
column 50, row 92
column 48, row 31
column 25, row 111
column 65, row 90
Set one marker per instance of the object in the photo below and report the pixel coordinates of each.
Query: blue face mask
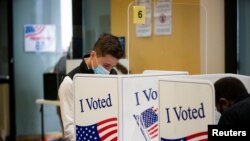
column 100, row 70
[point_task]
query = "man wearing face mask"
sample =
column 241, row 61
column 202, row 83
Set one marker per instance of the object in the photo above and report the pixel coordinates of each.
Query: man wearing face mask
column 101, row 60
column 232, row 101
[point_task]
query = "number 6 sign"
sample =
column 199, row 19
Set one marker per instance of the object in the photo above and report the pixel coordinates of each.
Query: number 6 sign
column 139, row 14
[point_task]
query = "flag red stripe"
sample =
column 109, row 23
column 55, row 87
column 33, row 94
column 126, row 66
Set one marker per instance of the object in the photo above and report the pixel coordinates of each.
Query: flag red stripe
column 153, row 127
column 204, row 140
column 196, row 135
column 154, row 136
column 114, row 139
column 153, row 131
column 108, row 134
column 106, row 127
column 39, row 30
column 105, row 121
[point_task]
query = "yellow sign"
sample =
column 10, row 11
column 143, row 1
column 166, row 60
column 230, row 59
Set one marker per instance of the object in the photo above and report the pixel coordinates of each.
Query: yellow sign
column 139, row 14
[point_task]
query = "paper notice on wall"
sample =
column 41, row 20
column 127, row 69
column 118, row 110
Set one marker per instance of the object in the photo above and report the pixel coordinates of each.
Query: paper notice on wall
column 144, row 30
column 163, row 17
column 39, row 38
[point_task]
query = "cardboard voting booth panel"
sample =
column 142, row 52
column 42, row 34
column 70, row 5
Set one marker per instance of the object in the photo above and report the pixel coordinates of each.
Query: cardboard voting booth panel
column 214, row 77
column 140, row 108
column 96, row 108
column 186, row 108
column 123, row 108
column 164, row 72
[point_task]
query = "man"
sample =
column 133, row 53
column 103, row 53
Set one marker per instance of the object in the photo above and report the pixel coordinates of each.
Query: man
column 102, row 59
column 232, row 101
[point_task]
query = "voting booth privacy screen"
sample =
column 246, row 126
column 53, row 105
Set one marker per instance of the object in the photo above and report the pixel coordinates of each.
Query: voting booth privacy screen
column 96, row 108
column 186, row 109
column 120, row 108
column 148, row 107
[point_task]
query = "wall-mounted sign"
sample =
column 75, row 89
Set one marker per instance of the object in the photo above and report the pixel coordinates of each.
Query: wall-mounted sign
column 39, row 38
column 143, row 29
column 163, row 17
column 139, row 14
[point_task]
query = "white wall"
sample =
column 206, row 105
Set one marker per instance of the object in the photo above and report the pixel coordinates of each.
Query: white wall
column 212, row 32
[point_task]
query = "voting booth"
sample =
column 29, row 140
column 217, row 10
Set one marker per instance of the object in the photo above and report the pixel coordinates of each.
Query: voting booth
column 214, row 77
column 145, row 107
column 186, row 108
column 123, row 108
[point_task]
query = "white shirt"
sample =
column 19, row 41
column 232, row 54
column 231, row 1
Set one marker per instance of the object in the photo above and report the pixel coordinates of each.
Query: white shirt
column 66, row 98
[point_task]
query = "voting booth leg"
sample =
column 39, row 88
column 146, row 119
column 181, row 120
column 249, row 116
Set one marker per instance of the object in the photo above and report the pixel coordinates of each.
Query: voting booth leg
column 42, row 122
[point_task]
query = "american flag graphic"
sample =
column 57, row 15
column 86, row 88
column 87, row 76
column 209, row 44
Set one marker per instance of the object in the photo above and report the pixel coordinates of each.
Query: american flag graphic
column 148, row 123
column 105, row 130
column 200, row 136
column 33, row 30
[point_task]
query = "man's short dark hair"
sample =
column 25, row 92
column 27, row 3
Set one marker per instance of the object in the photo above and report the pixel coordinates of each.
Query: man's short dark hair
column 108, row 44
column 229, row 88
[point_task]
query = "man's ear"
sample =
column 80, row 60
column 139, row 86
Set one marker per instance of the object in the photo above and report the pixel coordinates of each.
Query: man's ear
column 224, row 102
column 92, row 54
